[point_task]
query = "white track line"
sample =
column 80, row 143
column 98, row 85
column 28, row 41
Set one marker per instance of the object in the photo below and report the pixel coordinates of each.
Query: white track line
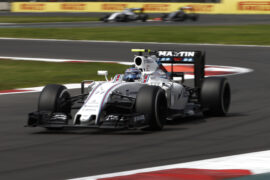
column 7, row 23
column 60, row 60
column 256, row 162
column 39, row 89
column 130, row 42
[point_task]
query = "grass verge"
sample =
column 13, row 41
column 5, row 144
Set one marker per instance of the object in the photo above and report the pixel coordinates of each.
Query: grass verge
column 19, row 74
column 248, row 34
column 37, row 19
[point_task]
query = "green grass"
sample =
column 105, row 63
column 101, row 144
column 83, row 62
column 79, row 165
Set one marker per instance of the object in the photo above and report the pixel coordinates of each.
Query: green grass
column 38, row 19
column 248, row 34
column 19, row 74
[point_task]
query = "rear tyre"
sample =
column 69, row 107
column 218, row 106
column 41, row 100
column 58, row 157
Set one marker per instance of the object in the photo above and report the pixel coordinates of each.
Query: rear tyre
column 143, row 17
column 180, row 17
column 215, row 96
column 151, row 101
column 194, row 17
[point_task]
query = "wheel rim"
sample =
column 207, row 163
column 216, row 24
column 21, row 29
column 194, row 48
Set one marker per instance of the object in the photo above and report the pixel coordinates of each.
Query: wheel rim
column 63, row 104
column 160, row 109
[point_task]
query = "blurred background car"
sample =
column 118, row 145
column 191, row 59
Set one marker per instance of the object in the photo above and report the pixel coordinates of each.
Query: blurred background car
column 128, row 14
column 184, row 13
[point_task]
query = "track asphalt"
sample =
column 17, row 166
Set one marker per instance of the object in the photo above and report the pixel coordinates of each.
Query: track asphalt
column 34, row 153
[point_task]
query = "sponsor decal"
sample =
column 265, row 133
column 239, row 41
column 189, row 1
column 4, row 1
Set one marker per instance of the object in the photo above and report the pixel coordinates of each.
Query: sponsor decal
column 146, row 78
column 156, row 7
column 176, row 54
column 117, row 77
column 73, row 6
column 254, row 6
column 165, row 59
column 225, row 7
column 113, row 7
column 33, row 6
column 177, row 59
column 202, row 7
column 188, row 60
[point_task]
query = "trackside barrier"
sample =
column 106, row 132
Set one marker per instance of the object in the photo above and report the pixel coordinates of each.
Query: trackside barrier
column 4, row 6
column 109, row 7
column 225, row 7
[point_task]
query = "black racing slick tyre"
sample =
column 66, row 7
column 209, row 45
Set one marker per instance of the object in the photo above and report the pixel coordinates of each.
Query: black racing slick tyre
column 143, row 17
column 54, row 98
column 122, row 18
column 105, row 18
column 164, row 17
column 151, row 101
column 194, row 17
column 215, row 96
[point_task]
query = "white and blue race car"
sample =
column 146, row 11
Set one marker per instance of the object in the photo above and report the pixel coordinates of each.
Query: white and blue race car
column 127, row 15
column 145, row 96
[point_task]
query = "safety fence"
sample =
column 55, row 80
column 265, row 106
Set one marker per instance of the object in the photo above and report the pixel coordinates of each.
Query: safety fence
column 225, row 7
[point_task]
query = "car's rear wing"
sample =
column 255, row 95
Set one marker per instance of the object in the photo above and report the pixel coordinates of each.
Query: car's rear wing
column 197, row 58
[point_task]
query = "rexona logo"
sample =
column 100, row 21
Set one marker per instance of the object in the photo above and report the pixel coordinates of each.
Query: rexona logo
column 35, row 6
column 254, row 6
column 113, row 7
column 176, row 54
column 156, row 7
column 202, row 7
column 73, row 6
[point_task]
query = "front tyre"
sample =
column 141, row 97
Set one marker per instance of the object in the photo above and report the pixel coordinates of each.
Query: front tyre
column 54, row 98
column 215, row 96
column 105, row 18
column 164, row 17
column 151, row 101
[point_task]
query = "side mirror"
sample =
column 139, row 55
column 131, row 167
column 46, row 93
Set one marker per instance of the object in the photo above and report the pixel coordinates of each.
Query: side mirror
column 103, row 73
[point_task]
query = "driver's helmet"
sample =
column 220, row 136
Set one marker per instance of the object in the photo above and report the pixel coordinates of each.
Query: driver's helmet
column 132, row 74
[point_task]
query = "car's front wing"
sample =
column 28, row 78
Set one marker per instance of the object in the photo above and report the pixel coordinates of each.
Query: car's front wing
column 61, row 120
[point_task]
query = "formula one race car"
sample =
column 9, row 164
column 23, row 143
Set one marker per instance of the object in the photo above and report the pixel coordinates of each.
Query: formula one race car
column 131, row 14
column 146, row 96
column 181, row 15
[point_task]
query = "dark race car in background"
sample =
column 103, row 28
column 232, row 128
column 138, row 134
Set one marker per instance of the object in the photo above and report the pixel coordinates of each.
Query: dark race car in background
column 183, row 14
